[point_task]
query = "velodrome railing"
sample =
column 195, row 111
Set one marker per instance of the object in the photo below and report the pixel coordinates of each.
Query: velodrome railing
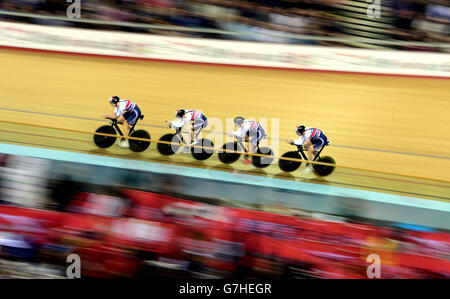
column 355, row 41
column 224, row 150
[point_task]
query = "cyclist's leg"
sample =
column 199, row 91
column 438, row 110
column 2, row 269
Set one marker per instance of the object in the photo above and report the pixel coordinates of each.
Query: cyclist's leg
column 138, row 110
column 191, row 134
column 309, row 147
column 127, row 119
column 245, row 147
column 123, row 121
column 254, row 140
column 203, row 125
column 320, row 143
column 197, row 128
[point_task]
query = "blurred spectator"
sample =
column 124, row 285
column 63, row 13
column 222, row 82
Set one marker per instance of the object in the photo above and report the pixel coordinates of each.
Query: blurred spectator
column 259, row 20
column 24, row 181
column 63, row 192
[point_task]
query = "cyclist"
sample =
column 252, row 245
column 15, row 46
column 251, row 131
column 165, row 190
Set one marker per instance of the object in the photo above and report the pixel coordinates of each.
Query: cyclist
column 252, row 131
column 183, row 117
column 126, row 112
column 311, row 139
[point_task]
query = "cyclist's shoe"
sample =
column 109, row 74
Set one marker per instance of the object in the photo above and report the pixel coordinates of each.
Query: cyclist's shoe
column 124, row 144
column 307, row 169
column 247, row 162
column 186, row 150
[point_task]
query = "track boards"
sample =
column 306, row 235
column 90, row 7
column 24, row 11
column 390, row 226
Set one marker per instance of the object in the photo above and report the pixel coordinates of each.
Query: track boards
column 230, row 154
column 103, row 141
column 171, row 143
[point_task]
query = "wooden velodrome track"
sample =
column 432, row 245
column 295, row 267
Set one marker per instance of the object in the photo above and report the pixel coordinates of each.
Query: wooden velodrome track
column 386, row 123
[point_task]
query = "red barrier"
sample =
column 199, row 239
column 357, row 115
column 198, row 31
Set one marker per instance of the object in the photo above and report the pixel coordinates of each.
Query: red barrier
column 144, row 235
column 27, row 221
column 425, row 263
column 176, row 227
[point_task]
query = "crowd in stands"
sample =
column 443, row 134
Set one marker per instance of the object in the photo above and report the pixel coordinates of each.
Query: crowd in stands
column 261, row 20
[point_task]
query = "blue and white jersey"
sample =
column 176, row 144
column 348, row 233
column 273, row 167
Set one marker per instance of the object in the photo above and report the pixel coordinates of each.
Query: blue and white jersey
column 312, row 133
column 124, row 106
column 190, row 115
column 247, row 128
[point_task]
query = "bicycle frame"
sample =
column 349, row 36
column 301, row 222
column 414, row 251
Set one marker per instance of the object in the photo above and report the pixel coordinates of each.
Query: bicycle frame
column 242, row 146
column 316, row 156
column 114, row 123
column 179, row 133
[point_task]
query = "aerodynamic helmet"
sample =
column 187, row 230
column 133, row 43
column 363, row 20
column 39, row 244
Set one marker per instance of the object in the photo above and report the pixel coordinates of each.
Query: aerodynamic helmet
column 114, row 99
column 180, row 112
column 300, row 129
column 239, row 120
